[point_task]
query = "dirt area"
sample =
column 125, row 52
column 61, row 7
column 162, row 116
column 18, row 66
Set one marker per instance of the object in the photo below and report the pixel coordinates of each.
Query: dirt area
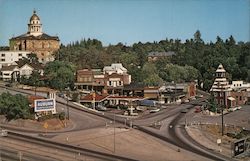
column 126, row 142
column 50, row 124
column 207, row 135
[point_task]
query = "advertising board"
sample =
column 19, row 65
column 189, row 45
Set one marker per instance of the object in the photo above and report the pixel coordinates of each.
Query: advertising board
column 239, row 147
column 45, row 105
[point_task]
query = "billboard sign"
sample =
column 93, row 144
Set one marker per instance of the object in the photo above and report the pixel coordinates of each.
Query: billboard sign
column 239, row 147
column 45, row 105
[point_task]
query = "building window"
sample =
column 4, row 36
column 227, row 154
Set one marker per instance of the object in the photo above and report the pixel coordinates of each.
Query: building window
column 3, row 55
column 42, row 54
column 20, row 54
column 240, row 98
column 2, row 59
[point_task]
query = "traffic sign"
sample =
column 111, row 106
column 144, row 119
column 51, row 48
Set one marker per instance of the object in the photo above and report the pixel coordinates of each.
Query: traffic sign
column 45, row 125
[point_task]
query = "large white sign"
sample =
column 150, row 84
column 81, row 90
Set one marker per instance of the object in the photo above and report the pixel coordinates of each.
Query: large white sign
column 45, row 105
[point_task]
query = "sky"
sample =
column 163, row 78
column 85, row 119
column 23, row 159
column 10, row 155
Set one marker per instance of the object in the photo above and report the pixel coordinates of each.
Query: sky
column 128, row 21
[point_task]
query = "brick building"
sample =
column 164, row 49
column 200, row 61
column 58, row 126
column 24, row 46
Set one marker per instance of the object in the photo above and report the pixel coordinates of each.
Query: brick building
column 221, row 89
column 36, row 41
column 109, row 80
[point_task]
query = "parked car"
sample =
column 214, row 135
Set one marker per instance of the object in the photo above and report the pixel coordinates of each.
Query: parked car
column 197, row 109
column 61, row 95
column 154, row 110
column 101, row 108
column 239, row 107
column 4, row 133
column 184, row 111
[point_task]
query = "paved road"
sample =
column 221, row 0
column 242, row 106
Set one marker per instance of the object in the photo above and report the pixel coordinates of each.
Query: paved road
column 171, row 129
column 165, row 117
column 81, row 120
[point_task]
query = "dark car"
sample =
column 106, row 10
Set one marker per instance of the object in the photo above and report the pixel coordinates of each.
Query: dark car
column 184, row 111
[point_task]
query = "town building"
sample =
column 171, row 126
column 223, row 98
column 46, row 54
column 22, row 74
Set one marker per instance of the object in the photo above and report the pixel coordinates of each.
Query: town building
column 9, row 73
column 35, row 41
column 19, row 69
column 10, row 57
column 221, row 89
column 168, row 93
column 109, row 80
column 240, row 91
column 229, row 95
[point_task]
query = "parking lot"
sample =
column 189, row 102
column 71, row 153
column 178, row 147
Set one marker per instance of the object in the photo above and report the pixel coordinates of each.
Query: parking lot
column 239, row 117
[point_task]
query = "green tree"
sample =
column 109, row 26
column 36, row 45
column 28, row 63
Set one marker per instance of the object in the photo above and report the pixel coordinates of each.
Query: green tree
column 14, row 106
column 59, row 74
column 151, row 76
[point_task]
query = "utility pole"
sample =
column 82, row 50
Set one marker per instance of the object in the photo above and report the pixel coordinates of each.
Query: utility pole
column 222, row 114
column 68, row 105
column 114, row 132
column 223, row 95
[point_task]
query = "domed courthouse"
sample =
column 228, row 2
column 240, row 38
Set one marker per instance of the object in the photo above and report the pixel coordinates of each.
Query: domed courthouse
column 36, row 41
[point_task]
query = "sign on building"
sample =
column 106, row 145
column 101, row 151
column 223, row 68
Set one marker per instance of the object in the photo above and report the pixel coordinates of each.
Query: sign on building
column 45, row 105
column 239, row 147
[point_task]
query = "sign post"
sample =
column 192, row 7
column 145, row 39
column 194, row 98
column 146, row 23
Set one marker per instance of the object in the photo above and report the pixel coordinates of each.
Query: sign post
column 46, row 127
column 238, row 147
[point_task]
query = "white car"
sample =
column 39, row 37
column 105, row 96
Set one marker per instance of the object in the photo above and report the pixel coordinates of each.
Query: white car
column 4, row 133
column 239, row 107
column 154, row 110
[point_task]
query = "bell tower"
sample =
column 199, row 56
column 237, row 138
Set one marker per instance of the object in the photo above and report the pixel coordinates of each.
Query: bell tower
column 35, row 26
column 221, row 88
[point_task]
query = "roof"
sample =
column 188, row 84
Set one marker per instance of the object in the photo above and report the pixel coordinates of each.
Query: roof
column 36, row 66
column 134, row 86
column 8, row 68
column 34, row 16
column 231, row 98
column 125, row 98
column 161, row 54
column 90, row 98
column 115, row 67
column 220, row 68
column 28, row 36
column 32, row 98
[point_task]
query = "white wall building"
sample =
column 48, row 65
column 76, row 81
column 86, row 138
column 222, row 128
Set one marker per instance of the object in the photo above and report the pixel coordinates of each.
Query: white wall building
column 26, row 70
column 239, row 84
column 115, row 68
column 7, row 73
column 10, row 57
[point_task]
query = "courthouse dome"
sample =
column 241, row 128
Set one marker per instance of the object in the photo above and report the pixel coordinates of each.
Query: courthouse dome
column 34, row 16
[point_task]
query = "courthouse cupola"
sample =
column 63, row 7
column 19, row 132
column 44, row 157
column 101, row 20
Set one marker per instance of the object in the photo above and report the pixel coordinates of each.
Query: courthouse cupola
column 35, row 26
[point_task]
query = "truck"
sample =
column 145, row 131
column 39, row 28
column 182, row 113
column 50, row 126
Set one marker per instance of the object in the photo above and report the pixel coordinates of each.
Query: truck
column 150, row 103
